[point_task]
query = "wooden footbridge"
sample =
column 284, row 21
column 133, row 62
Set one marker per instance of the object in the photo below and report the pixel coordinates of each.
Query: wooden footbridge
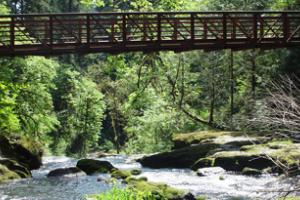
column 49, row 34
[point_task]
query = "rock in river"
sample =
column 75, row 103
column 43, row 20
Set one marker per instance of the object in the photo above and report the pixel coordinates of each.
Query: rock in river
column 6, row 174
column 91, row 166
column 71, row 171
column 15, row 167
column 180, row 158
column 24, row 151
column 234, row 161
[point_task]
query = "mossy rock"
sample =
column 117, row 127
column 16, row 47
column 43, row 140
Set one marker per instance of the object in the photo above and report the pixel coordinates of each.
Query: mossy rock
column 289, row 198
column 229, row 138
column 130, row 178
column 6, row 174
column 200, row 198
column 135, row 172
column 24, row 150
column 157, row 189
column 91, row 166
column 203, row 162
column 237, row 161
column 15, row 167
column 284, row 151
column 234, row 161
column 120, row 174
column 187, row 139
column 180, row 158
column 251, row 172
column 71, row 171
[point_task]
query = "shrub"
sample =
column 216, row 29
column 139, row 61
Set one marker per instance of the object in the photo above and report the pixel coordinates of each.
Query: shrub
column 124, row 194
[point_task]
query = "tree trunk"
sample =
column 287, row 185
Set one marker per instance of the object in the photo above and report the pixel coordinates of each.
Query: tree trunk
column 253, row 74
column 231, row 85
column 212, row 100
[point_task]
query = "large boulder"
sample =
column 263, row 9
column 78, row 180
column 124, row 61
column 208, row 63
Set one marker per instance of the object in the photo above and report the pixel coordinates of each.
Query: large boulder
column 91, row 166
column 234, row 161
column 24, row 151
column 227, row 139
column 180, row 158
column 71, row 171
column 15, row 167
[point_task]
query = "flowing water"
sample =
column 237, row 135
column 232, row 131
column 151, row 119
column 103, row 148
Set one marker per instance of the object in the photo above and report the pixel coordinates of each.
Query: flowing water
column 216, row 184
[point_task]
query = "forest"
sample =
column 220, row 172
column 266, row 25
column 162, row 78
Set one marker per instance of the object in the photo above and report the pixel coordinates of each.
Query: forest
column 77, row 105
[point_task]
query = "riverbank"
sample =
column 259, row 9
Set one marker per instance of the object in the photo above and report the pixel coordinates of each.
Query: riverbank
column 250, row 154
column 211, row 181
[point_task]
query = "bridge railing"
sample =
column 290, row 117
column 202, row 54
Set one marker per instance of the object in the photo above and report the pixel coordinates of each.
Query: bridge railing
column 85, row 30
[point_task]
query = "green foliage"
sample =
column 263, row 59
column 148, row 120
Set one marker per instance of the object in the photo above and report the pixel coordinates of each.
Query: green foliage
column 79, row 106
column 134, row 102
column 124, row 194
column 92, row 3
column 9, row 122
column 28, row 100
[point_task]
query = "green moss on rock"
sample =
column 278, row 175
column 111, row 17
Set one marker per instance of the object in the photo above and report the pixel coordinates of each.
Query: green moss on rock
column 284, row 150
column 203, row 162
column 6, row 174
column 187, row 139
column 120, row 174
column 251, row 172
column 234, row 161
column 15, row 167
column 135, row 172
column 91, row 166
column 24, row 150
column 180, row 158
column 157, row 189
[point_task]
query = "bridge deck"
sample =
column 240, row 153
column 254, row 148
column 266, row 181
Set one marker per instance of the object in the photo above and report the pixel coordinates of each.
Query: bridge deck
column 46, row 34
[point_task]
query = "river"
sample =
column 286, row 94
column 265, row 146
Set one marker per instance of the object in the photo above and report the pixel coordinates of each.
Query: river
column 215, row 185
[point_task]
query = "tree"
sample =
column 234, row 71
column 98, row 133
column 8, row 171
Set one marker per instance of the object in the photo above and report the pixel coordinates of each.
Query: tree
column 33, row 78
column 80, row 107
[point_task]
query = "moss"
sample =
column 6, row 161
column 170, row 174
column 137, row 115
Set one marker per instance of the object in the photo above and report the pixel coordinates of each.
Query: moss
column 91, row 166
column 251, row 172
column 34, row 147
column 14, row 166
column 200, row 198
column 135, row 172
column 203, row 162
column 186, row 139
column 156, row 188
column 24, row 150
column 283, row 150
column 120, row 174
column 130, row 178
column 233, row 138
column 6, row 174
column 180, row 158
column 289, row 198
column 234, row 161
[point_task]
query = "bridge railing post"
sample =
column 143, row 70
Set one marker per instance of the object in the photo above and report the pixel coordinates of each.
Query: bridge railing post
column 224, row 21
column 124, row 28
column 192, row 26
column 286, row 27
column 88, row 29
column 255, row 27
column 159, row 27
column 12, row 32
column 51, row 30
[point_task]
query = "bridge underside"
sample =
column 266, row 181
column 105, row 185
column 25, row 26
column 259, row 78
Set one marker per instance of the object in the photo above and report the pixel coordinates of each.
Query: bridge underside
column 51, row 34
